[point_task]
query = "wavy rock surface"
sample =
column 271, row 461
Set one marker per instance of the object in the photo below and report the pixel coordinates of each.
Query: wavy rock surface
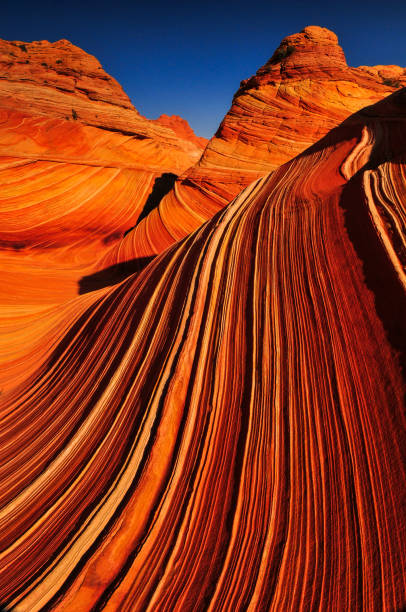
column 63, row 81
column 226, row 430
column 77, row 160
column 301, row 93
column 78, row 163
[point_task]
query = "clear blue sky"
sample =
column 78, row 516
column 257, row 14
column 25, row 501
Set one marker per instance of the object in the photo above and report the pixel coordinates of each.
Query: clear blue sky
column 188, row 58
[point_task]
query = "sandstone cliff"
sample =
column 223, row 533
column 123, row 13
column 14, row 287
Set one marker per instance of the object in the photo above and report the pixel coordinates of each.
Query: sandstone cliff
column 60, row 80
column 77, row 165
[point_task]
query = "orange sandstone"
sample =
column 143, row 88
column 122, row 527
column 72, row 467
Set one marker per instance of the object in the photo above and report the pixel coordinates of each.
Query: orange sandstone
column 302, row 92
column 226, row 430
column 77, row 166
column 181, row 128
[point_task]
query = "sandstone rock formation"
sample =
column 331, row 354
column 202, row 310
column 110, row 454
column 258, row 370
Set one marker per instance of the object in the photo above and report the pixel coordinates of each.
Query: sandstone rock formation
column 78, row 164
column 57, row 107
column 62, row 81
column 78, row 160
column 301, row 93
column 181, row 128
column 226, row 430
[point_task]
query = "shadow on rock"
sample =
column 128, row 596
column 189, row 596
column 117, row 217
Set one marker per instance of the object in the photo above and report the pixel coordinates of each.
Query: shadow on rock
column 112, row 275
column 380, row 275
column 162, row 185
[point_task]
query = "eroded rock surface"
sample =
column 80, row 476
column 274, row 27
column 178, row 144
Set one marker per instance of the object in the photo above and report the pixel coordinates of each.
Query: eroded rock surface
column 226, row 429
column 301, row 93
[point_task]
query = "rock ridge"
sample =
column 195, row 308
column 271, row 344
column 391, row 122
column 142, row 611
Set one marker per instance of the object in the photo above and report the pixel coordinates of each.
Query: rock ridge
column 304, row 90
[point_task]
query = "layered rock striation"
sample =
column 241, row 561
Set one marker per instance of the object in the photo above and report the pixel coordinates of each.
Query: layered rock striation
column 78, row 164
column 302, row 92
column 77, row 160
column 226, row 430
column 60, row 80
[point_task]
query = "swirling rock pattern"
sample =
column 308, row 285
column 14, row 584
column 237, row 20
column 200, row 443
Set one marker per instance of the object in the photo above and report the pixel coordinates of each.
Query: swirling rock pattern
column 77, row 159
column 63, row 81
column 226, row 429
column 301, row 93
column 77, row 166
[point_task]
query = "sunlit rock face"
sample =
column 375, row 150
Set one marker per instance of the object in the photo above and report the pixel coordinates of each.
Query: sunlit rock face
column 181, row 128
column 78, row 159
column 226, row 429
column 61, row 80
column 78, row 164
column 301, row 93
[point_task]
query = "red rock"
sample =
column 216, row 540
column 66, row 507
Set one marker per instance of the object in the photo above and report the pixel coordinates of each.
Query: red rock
column 226, row 430
column 182, row 129
column 301, row 93
column 77, row 165
column 61, row 80
column 73, row 188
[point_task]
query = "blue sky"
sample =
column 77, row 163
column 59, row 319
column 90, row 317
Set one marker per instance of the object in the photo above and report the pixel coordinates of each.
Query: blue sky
column 188, row 58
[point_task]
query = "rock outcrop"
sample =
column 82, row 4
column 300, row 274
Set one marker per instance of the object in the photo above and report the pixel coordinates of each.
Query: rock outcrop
column 182, row 129
column 78, row 164
column 226, row 430
column 60, row 80
column 301, row 93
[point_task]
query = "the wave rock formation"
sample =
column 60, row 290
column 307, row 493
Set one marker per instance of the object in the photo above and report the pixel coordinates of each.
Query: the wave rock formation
column 226, row 429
